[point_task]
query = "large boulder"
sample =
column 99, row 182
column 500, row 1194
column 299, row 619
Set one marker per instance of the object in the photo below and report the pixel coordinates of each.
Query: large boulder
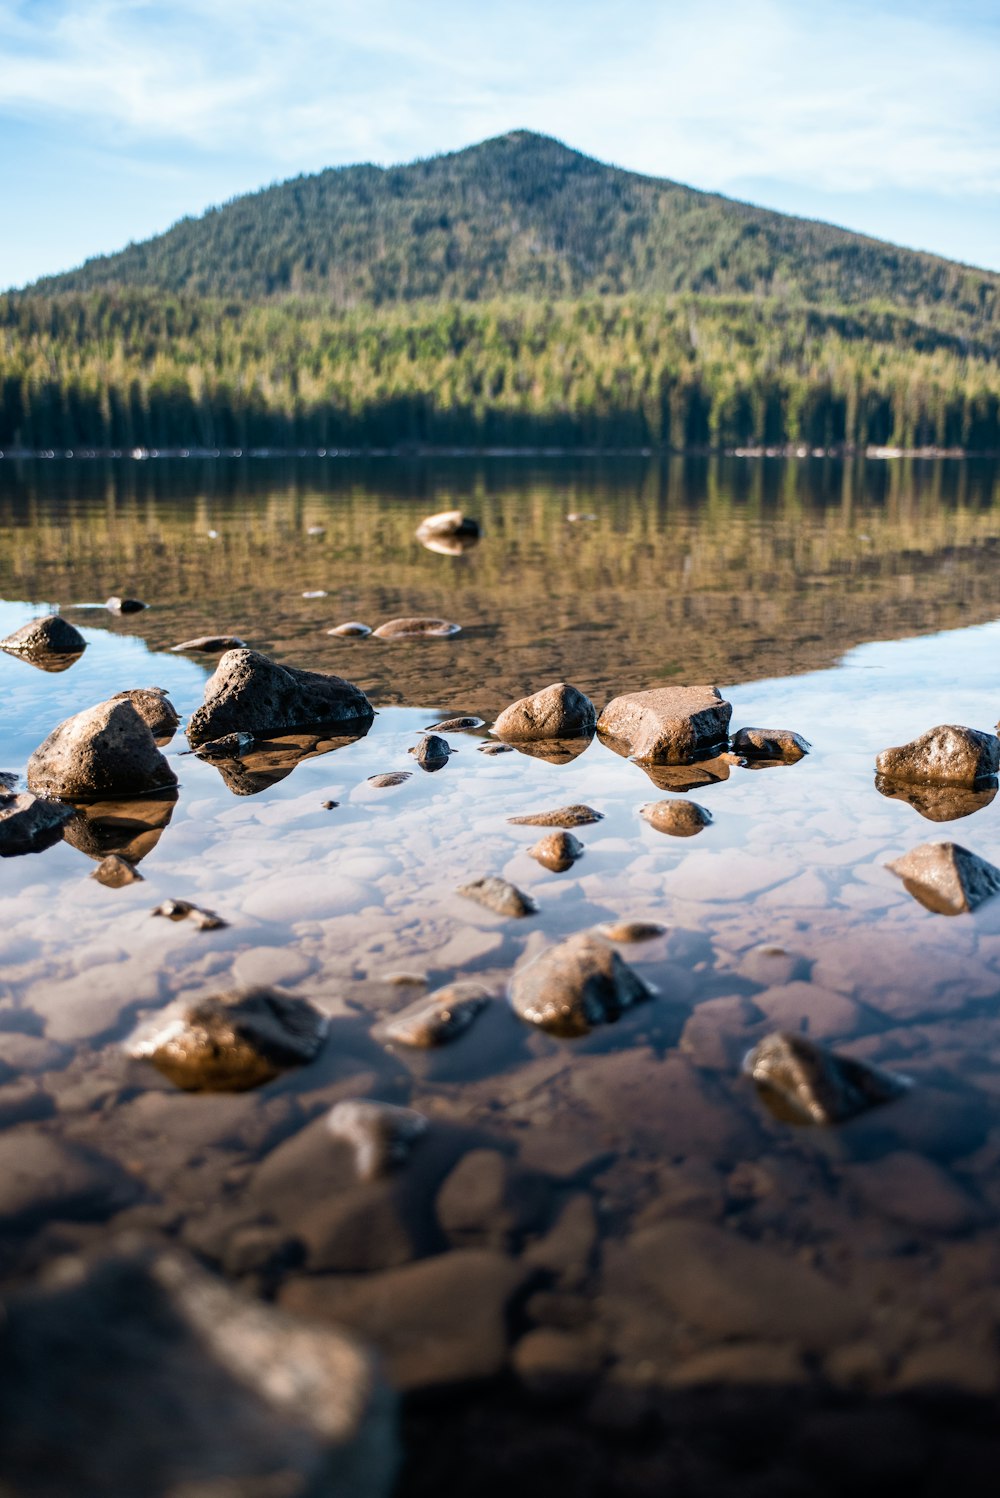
column 579, row 983
column 29, row 825
column 107, row 750
column 669, row 725
column 556, row 712
column 140, row 1373
column 946, row 755
column 947, row 878
column 803, row 1082
column 52, row 635
column 250, row 693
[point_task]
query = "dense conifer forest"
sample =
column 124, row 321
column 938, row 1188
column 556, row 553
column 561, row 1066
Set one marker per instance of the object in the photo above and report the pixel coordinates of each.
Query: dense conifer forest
column 514, row 294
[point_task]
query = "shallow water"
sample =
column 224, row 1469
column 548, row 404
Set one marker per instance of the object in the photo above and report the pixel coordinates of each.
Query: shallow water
column 780, row 914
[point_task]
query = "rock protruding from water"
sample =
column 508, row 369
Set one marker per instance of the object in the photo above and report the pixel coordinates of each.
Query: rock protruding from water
column 230, row 746
column 562, row 816
column 558, row 711
column 947, row 878
column 389, row 778
column 155, row 709
column 183, row 910
column 249, row 693
column 630, row 931
column 231, row 1042
column 192, row 1386
column 500, row 896
column 116, row 605
column 803, row 1082
column 677, row 818
column 778, row 745
column 558, row 851
column 571, row 987
column 448, row 523
column 669, row 725
column 115, row 872
column 947, row 755
column 455, row 725
column 417, row 629
column 50, row 636
column 211, row 644
column 29, row 825
column 381, row 1135
column 436, row 1019
column 352, row 630
column 940, row 803
column 432, row 752
column 491, row 749
column 107, row 750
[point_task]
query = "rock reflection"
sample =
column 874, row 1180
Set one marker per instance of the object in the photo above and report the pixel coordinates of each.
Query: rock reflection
column 274, row 759
column 553, row 751
column 46, row 660
column 679, row 777
column 940, row 803
column 131, row 829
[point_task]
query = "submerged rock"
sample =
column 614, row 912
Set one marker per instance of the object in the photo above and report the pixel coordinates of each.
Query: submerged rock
column 499, row 896
column 558, row 851
column 115, row 872
column 381, row 1135
column 946, row 877
column 116, row 605
column 389, row 779
column 106, row 750
column 50, row 636
column 437, row 1018
column 432, row 752
column 803, row 1082
column 211, row 644
column 193, row 1387
column 416, row 629
column 352, row 630
column 939, row 803
column 776, row 744
column 677, row 818
column 947, row 755
column 455, row 725
column 29, row 825
column 669, row 725
column 562, row 816
column 183, row 910
column 230, row 1042
column 249, row 693
column 155, row 709
column 556, row 712
column 571, row 987
column 491, row 749
column 629, row 931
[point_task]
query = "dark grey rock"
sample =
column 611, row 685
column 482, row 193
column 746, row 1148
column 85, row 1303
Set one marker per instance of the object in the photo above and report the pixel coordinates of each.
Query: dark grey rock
column 115, row 872
column 230, row 746
column 230, row 1042
column 107, row 750
column 211, row 644
column 940, row 803
column 432, row 752
column 381, row 1135
column 575, row 985
column 116, row 605
column 775, row 744
column 669, row 725
column 29, row 825
column 562, row 816
column 556, row 712
column 140, row 1372
column 499, row 895
column 676, row 818
column 52, row 635
column 436, row 1019
column 557, row 851
column 250, row 694
column 155, row 709
column 416, row 629
column 946, row 877
column 803, row 1082
column 947, row 755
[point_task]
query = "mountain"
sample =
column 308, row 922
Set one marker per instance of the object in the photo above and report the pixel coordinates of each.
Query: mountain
column 521, row 216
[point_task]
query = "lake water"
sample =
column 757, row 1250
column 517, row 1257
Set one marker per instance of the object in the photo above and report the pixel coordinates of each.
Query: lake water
column 664, row 1238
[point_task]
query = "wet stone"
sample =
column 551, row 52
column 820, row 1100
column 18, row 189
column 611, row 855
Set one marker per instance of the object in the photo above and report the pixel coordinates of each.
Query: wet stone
column 947, row 755
column 500, row 896
column 559, row 711
column 329, row 805
column 116, row 605
column 115, row 872
column 631, row 931
column 352, row 630
column 939, row 803
column 230, row 1042
column 669, row 725
column 487, row 1201
column 230, row 746
column 492, row 749
column 456, row 725
column 432, row 752
column 211, row 644
column 248, row 693
column 29, row 824
column 437, row 1019
column 103, row 751
column 416, row 629
column 776, row 744
column 380, row 1135
column 183, row 910
column 52, row 635
column 448, row 523
column 389, row 779
column 573, row 986
column 946, row 878
column 562, row 816
column 805, row 1083
column 155, row 709
column 676, row 818
column 557, row 852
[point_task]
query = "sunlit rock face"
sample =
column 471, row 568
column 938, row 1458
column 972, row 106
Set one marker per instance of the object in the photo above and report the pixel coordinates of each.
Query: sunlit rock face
column 250, row 693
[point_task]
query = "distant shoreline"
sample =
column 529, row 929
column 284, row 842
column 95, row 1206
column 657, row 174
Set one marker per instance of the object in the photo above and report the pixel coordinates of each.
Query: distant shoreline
column 410, row 450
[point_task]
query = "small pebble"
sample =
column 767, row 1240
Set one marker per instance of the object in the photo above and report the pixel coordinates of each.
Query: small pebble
column 330, row 805
column 115, row 872
column 116, row 605
column 390, row 778
column 183, row 910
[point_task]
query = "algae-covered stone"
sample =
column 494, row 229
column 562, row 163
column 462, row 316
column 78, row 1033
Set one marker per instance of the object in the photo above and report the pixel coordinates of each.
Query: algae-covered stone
column 803, row 1082
column 669, row 725
column 947, row 755
column 946, row 877
column 575, row 985
column 559, row 711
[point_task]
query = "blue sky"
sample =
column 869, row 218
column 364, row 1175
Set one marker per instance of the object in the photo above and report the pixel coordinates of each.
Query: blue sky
column 117, row 117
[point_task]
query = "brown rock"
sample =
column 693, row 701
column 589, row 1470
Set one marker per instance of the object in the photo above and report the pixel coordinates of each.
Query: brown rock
column 676, row 818
column 563, row 816
column 804, row 1083
column 115, row 872
column 437, row 1019
column 155, row 709
column 554, row 1365
column 486, row 1201
column 939, row 803
column 946, row 877
column 351, row 630
column 432, row 752
column 556, row 712
column 52, row 636
column 183, row 910
column 558, row 851
column 498, row 895
column 579, row 983
column 416, row 629
column 380, row 1135
column 247, row 693
column 947, row 755
column 211, row 644
column 771, row 744
column 107, row 750
column 629, row 931
column 390, row 778
column 670, row 725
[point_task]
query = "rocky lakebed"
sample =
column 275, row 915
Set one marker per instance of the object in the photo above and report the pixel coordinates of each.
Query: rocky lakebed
column 427, row 1067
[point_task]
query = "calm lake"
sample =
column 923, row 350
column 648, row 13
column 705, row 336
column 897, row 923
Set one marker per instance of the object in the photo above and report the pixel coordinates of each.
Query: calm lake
column 655, row 1232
